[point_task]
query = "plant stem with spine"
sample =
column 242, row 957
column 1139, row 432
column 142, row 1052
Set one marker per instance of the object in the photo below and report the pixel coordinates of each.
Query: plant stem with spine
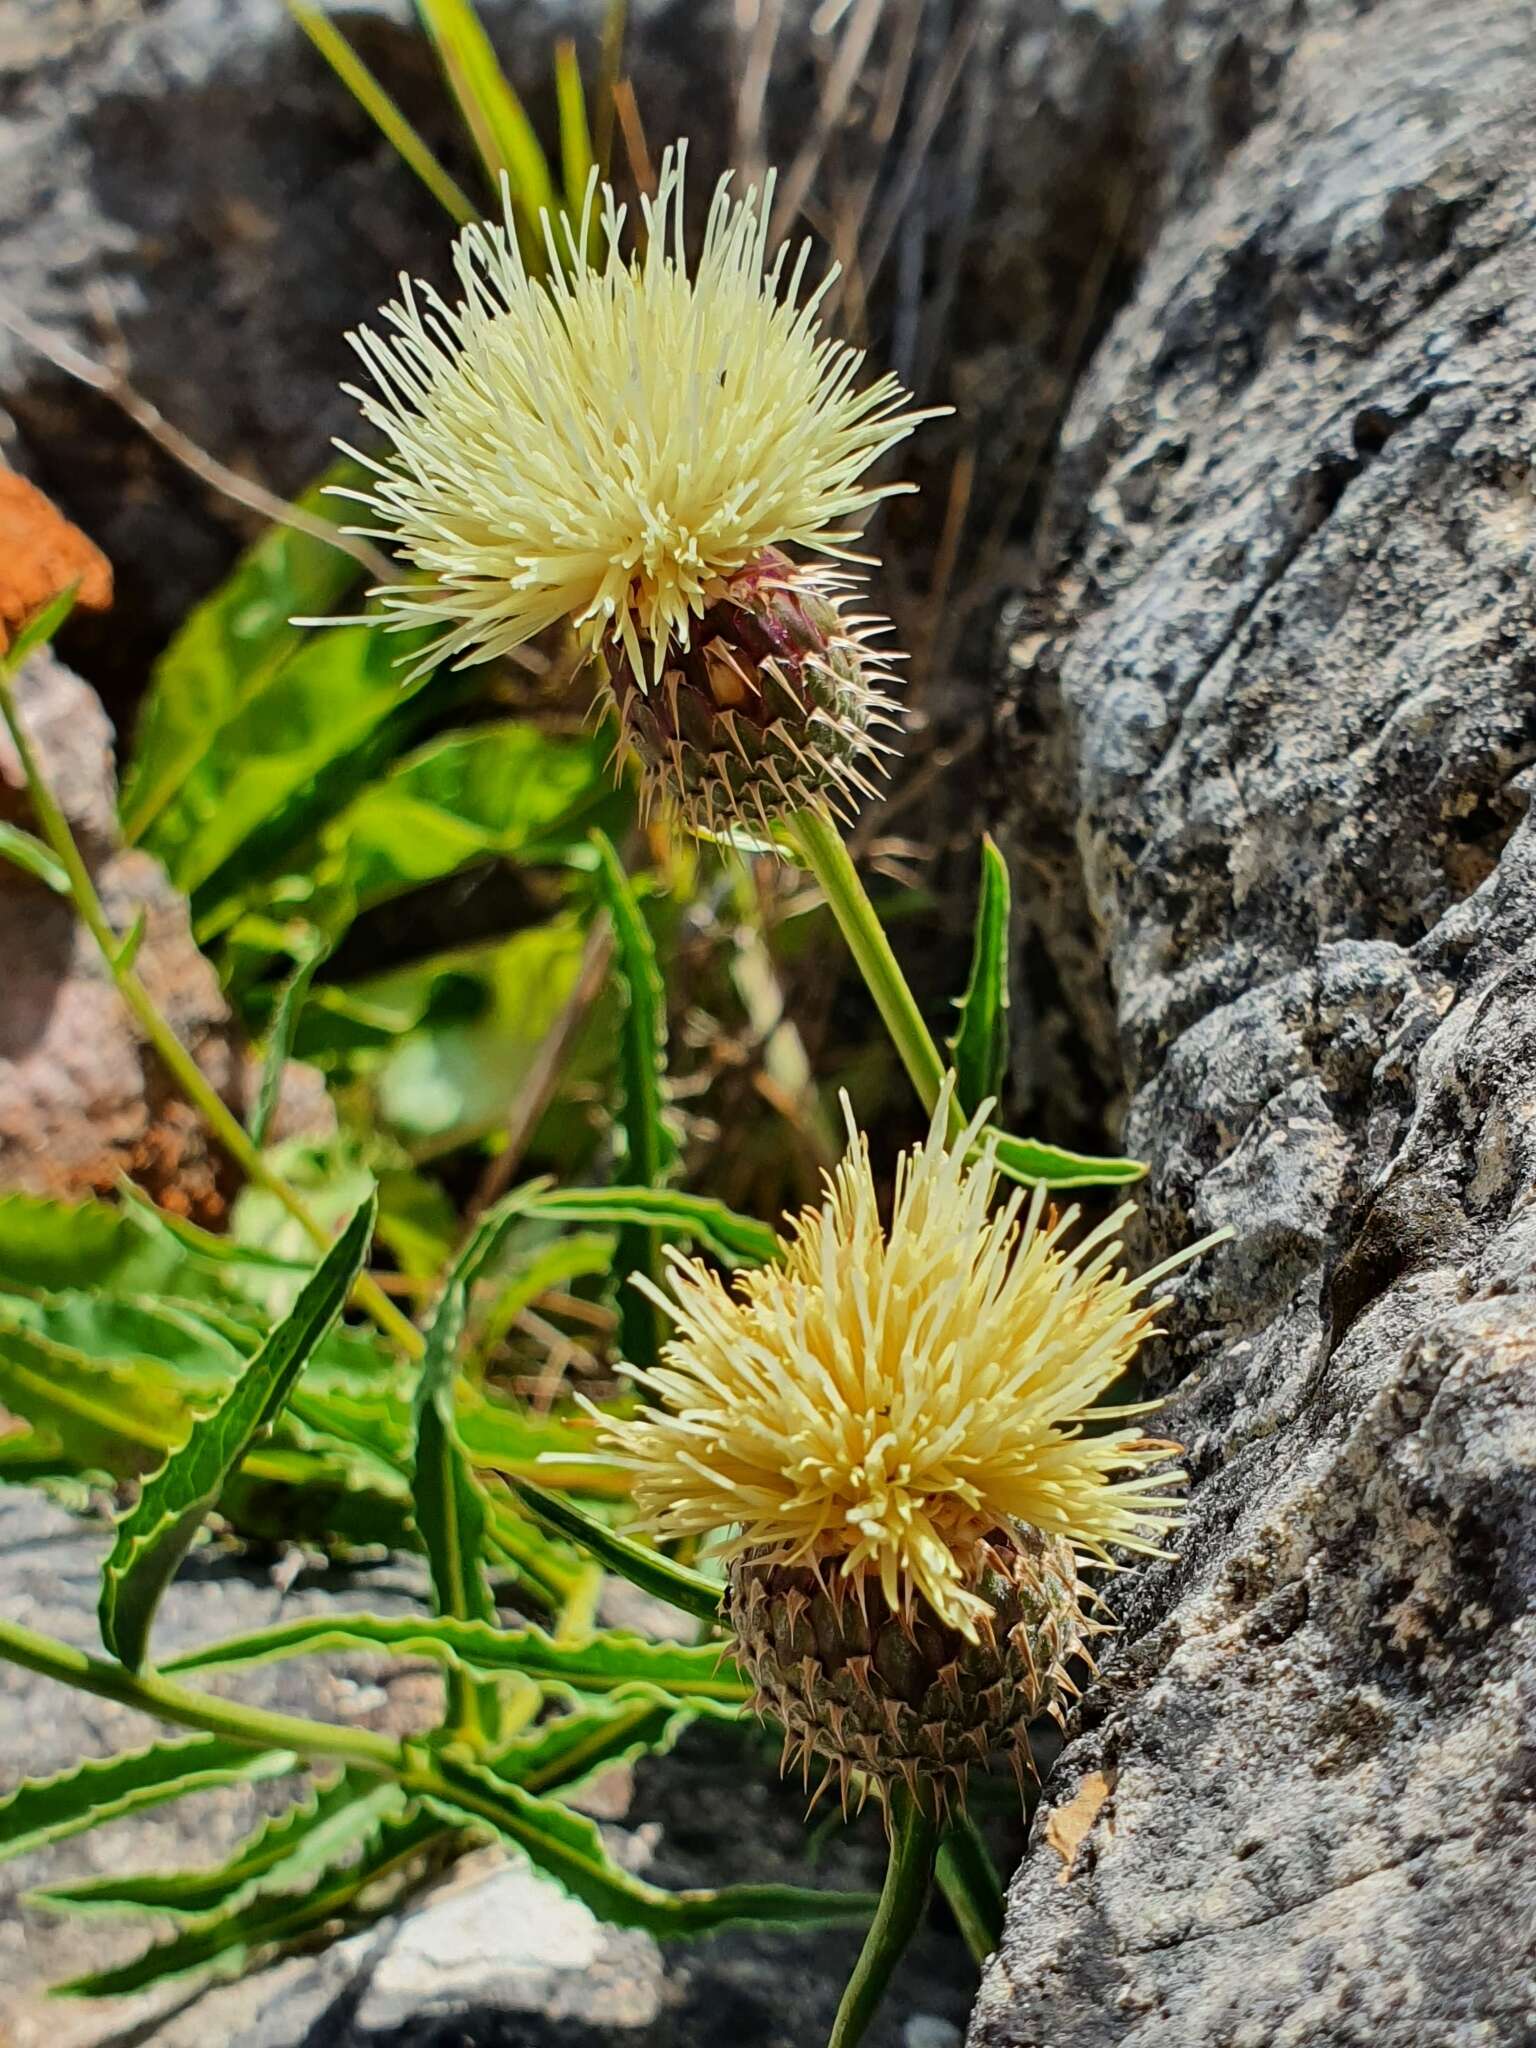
column 179, row 1063
column 914, row 1840
column 819, row 840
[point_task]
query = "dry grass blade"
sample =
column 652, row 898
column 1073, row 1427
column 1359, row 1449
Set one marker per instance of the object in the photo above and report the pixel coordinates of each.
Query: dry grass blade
column 113, row 385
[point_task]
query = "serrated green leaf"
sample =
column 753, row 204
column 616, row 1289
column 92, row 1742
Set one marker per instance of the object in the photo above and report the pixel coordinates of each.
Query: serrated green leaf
column 734, row 1239
column 979, row 1047
column 569, row 1750
column 1023, row 1160
column 153, row 1537
column 647, row 1569
column 37, row 631
column 649, row 1148
column 285, row 1851
column 568, row 1847
column 223, row 657
column 699, row 1676
column 108, row 1418
column 29, row 854
column 269, row 1923
column 43, row 1810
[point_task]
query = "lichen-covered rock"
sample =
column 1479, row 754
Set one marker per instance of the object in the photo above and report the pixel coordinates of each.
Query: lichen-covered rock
column 1281, row 670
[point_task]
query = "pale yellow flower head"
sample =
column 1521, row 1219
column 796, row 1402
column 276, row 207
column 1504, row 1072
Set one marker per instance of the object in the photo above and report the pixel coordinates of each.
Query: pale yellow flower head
column 886, row 1399
column 610, row 443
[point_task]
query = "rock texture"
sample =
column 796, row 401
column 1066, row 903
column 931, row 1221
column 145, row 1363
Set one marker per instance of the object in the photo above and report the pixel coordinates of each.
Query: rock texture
column 83, row 1100
column 496, row 1958
column 1279, row 671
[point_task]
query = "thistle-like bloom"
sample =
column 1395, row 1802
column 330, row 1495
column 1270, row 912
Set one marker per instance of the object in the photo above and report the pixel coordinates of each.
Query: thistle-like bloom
column 610, row 444
column 897, row 1433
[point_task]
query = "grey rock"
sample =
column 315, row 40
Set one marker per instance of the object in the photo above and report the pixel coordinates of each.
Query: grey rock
column 1275, row 691
column 494, row 1957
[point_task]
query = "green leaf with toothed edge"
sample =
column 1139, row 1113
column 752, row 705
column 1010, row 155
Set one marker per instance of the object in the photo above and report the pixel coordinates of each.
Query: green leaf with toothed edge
column 647, row 1569
column 979, row 1048
column 44, row 1810
column 699, row 1676
column 1036, row 1165
column 285, row 1851
column 568, row 1847
column 155, row 1534
column 569, row 1750
column 271, row 1923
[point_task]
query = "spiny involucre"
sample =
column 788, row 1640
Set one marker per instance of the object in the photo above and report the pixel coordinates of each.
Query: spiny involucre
column 889, row 1430
column 631, row 448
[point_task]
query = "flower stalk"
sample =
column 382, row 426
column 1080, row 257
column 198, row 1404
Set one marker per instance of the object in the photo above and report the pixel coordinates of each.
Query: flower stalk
column 818, row 839
column 914, row 1842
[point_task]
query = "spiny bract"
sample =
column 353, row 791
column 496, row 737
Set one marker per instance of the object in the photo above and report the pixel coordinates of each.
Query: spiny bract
column 888, row 1431
column 609, row 443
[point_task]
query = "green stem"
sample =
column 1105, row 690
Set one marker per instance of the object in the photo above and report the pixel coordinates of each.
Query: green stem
column 829, row 860
column 908, row 1875
column 168, row 1701
column 969, row 1881
column 179, row 1063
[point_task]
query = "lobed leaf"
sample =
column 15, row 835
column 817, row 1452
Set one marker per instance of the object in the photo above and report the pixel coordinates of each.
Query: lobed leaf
column 285, row 1851
column 699, row 1676
column 153, row 1537
column 43, row 1810
column 569, row 1750
column 270, row 1922
column 735, row 1239
column 568, row 1847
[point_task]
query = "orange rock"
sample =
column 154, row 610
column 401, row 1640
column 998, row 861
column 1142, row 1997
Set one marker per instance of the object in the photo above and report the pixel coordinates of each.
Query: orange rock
column 42, row 554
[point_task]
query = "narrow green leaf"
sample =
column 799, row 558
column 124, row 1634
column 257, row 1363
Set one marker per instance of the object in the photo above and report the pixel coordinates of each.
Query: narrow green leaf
column 495, row 115
column 285, row 1851
column 153, row 1537
column 269, row 1923
column 37, row 632
column 575, row 134
column 979, row 1047
column 44, row 1810
column 280, row 1032
column 696, row 1675
column 735, row 1239
column 28, row 853
column 647, row 1569
column 1023, row 1160
column 649, row 1149
column 386, row 114
column 129, row 944
column 568, row 1847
